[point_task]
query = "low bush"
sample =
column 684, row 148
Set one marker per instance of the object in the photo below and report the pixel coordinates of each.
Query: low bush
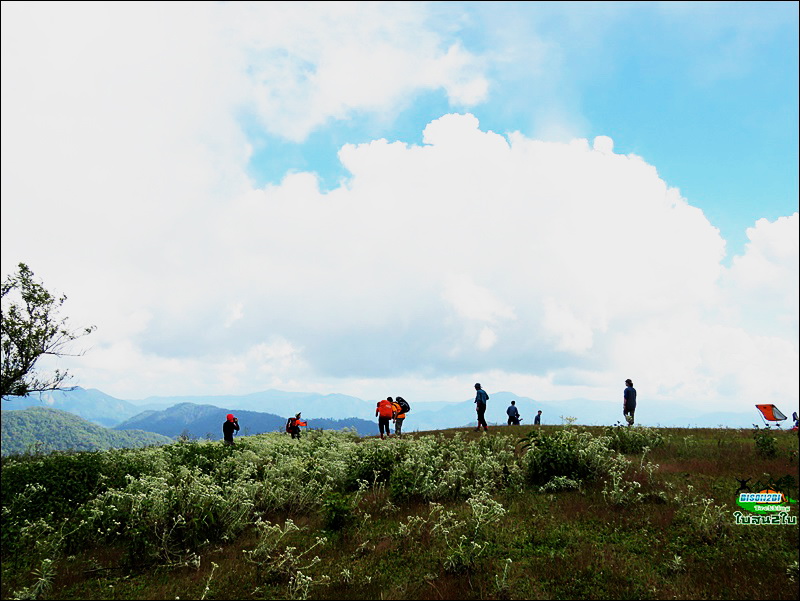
column 632, row 440
column 766, row 444
column 567, row 453
column 337, row 511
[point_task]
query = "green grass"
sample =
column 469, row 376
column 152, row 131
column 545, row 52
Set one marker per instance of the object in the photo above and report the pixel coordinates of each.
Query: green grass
column 450, row 515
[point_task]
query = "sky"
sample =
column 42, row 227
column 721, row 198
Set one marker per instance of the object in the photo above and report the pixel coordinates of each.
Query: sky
column 391, row 198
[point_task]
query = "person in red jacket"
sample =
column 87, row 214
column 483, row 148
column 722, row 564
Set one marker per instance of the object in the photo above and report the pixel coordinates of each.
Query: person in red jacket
column 385, row 412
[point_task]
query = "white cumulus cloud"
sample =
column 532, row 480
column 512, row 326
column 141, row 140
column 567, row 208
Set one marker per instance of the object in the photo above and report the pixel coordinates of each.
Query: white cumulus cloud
column 560, row 266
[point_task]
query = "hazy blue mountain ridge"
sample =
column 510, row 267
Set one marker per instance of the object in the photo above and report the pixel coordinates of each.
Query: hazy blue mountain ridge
column 103, row 409
column 91, row 404
column 205, row 421
column 333, row 406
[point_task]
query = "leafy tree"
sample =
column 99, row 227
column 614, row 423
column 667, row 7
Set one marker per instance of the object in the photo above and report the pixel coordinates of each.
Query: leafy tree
column 31, row 328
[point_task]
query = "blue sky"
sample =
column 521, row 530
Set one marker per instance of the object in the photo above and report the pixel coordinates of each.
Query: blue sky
column 407, row 198
column 708, row 94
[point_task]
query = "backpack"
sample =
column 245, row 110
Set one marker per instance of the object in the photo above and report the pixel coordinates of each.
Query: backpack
column 403, row 404
column 290, row 423
column 385, row 409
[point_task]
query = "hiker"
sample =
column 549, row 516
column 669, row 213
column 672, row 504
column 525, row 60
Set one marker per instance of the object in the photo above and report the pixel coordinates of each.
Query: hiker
column 537, row 421
column 513, row 414
column 384, row 411
column 480, row 406
column 629, row 401
column 293, row 426
column 399, row 416
column 230, row 426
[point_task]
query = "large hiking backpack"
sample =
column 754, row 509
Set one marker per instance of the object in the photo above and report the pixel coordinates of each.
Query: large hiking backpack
column 290, row 423
column 404, row 407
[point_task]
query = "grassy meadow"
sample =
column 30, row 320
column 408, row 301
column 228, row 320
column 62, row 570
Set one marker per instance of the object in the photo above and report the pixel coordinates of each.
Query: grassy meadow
column 556, row 512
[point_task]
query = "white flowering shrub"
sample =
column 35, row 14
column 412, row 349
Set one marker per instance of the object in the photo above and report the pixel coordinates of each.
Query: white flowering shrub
column 567, row 453
column 702, row 517
column 161, row 516
column 633, row 440
column 372, row 460
column 462, row 539
column 619, row 490
column 434, row 468
column 43, row 576
column 467, row 541
column 793, row 571
column 278, row 561
column 559, row 483
column 164, row 504
column 616, row 489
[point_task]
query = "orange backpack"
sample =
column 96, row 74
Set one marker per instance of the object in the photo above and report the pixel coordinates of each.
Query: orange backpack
column 385, row 409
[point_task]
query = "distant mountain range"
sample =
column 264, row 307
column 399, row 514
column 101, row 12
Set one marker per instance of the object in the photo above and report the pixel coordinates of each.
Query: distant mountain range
column 205, row 421
column 94, row 405
column 332, row 406
column 153, row 414
column 42, row 429
column 45, row 429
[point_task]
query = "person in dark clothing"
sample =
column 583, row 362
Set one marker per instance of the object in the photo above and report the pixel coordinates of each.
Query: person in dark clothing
column 537, row 421
column 480, row 406
column 230, row 426
column 629, row 401
column 399, row 417
column 513, row 414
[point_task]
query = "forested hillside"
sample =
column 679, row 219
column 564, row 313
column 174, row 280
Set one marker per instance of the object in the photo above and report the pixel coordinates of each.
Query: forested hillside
column 42, row 429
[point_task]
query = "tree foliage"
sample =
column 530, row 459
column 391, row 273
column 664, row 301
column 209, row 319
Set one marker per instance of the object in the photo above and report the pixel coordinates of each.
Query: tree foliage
column 31, row 327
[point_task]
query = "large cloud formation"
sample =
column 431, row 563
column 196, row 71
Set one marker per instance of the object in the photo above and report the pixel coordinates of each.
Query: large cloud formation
column 557, row 268
column 550, row 269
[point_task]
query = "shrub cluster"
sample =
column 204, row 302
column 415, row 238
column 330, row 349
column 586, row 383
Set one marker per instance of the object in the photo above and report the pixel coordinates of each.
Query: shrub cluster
column 766, row 444
column 634, row 440
column 161, row 502
column 567, row 455
column 162, row 505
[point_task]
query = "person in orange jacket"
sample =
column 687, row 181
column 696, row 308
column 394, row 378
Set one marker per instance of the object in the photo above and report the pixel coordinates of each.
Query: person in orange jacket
column 399, row 416
column 293, row 425
column 384, row 411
